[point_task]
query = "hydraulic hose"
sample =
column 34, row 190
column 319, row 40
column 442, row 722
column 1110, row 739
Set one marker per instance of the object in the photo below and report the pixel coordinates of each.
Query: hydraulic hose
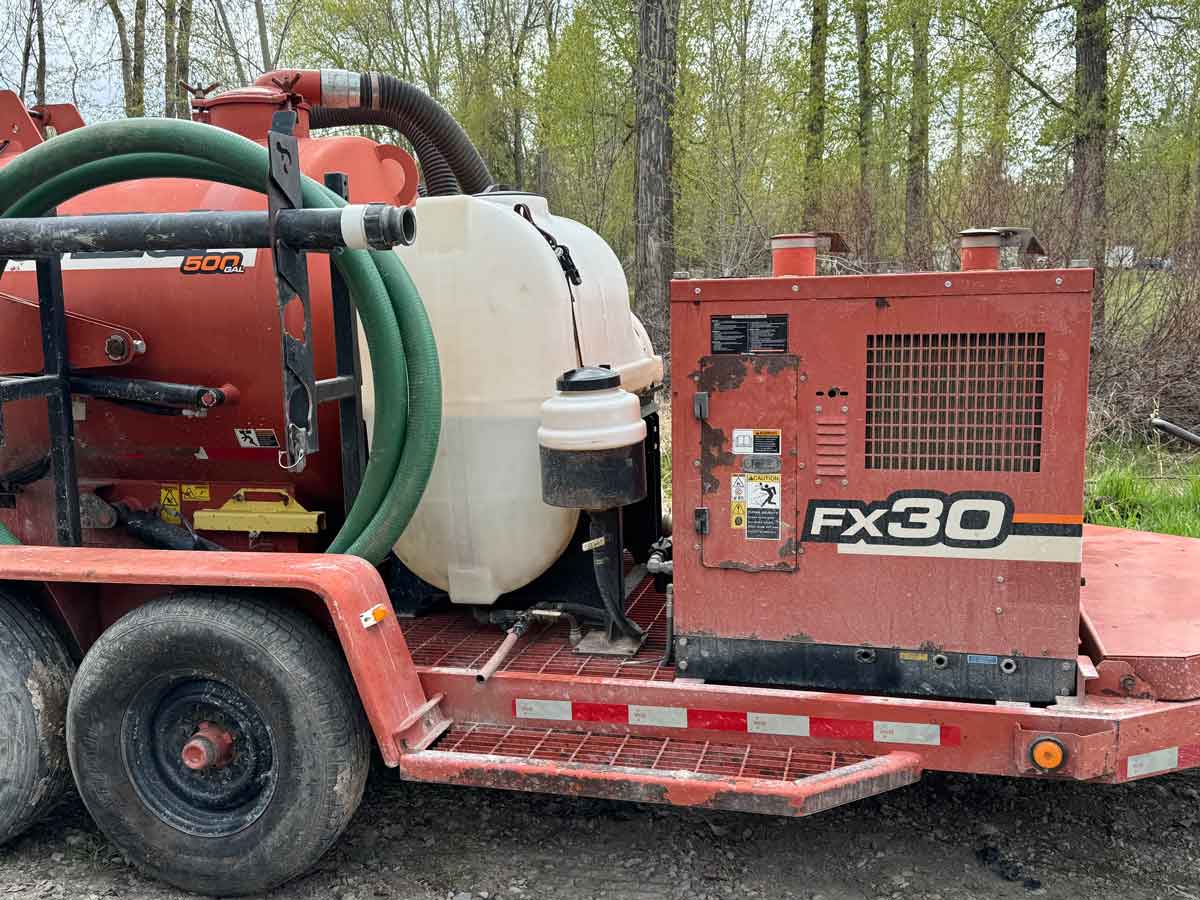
column 399, row 339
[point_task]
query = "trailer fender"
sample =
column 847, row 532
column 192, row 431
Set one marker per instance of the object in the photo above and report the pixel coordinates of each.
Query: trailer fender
column 403, row 718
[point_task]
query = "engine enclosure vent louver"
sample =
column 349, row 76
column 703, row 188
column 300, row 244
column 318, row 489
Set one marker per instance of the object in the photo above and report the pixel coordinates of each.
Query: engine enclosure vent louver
column 961, row 402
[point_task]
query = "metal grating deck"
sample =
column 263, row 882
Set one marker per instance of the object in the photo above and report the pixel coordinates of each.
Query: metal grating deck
column 652, row 753
column 454, row 639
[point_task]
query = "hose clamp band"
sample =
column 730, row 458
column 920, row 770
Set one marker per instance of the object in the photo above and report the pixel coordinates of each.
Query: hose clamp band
column 339, row 88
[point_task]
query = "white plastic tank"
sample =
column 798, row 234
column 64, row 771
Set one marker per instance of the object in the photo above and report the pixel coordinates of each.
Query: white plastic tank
column 501, row 313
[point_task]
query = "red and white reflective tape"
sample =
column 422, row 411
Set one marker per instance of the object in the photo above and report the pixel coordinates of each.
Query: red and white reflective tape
column 1155, row 762
column 879, row 732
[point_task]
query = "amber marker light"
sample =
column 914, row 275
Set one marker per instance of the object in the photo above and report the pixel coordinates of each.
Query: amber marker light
column 1048, row 754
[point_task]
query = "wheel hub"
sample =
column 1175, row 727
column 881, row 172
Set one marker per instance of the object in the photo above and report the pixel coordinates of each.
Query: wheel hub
column 200, row 755
column 210, row 747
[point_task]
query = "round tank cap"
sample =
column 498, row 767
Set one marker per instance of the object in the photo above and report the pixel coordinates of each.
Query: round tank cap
column 589, row 378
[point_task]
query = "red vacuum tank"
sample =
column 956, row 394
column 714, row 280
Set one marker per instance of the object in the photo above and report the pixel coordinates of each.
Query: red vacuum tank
column 204, row 318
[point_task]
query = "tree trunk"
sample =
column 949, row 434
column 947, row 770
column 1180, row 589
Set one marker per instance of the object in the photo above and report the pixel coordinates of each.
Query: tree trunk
column 26, row 52
column 183, row 59
column 170, row 67
column 918, row 240
column 40, row 74
column 815, row 148
column 1090, row 144
column 137, row 105
column 133, row 55
column 654, row 248
column 998, row 126
column 264, row 41
column 866, row 112
column 238, row 68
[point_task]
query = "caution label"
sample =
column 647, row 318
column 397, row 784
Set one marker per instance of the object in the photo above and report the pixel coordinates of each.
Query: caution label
column 195, row 493
column 737, row 514
column 764, row 498
column 168, row 502
column 768, row 441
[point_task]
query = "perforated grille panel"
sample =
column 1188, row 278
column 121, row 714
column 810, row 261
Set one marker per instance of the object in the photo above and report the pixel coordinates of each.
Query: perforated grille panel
column 955, row 402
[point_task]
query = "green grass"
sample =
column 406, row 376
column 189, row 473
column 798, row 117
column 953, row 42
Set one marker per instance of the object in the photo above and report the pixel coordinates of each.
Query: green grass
column 1145, row 488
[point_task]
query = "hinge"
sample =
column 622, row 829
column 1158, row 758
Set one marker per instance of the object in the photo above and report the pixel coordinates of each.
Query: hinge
column 700, row 405
column 700, row 520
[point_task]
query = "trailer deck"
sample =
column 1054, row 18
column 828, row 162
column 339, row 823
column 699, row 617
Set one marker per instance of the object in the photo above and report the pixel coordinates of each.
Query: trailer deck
column 554, row 720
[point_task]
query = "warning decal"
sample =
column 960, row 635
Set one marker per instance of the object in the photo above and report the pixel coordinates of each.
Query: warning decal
column 757, row 440
column 250, row 438
column 195, row 493
column 168, row 502
column 764, row 497
column 737, row 502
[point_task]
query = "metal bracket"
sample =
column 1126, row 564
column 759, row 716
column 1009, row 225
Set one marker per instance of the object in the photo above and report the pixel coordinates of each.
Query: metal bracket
column 700, row 405
column 700, row 519
column 291, row 283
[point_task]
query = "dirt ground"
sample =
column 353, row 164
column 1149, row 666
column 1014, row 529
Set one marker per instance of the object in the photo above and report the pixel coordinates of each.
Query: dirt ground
column 947, row 838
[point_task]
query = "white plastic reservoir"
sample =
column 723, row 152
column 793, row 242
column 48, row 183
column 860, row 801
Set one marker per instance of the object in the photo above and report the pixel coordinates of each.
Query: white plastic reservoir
column 502, row 317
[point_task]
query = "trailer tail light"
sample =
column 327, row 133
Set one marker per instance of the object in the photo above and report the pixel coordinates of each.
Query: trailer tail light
column 1048, row 754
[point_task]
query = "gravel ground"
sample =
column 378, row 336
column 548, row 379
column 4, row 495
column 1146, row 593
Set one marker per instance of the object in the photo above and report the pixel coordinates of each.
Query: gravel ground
column 947, row 838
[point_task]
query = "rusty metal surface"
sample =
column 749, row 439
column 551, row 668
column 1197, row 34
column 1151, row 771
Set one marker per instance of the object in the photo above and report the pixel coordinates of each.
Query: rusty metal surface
column 1140, row 605
column 378, row 657
column 676, row 772
column 838, row 594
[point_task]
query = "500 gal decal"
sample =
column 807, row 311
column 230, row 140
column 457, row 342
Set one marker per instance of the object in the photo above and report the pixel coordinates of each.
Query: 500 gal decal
column 914, row 518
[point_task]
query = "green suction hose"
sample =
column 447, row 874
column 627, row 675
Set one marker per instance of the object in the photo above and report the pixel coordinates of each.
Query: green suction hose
column 408, row 389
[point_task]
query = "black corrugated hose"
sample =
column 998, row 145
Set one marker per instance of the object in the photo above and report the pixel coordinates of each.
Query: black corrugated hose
column 436, row 175
column 448, row 153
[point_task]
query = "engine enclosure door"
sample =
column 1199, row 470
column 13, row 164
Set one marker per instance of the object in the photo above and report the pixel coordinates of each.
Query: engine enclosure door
column 748, row 458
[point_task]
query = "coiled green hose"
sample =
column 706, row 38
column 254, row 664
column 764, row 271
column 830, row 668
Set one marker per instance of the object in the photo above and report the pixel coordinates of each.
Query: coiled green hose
column 408, row 387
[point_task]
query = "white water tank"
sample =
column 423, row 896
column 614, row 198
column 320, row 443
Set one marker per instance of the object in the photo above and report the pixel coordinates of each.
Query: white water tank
column 501, row 313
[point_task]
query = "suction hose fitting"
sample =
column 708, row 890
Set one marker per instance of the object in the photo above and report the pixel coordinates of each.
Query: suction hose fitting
column 408, row 388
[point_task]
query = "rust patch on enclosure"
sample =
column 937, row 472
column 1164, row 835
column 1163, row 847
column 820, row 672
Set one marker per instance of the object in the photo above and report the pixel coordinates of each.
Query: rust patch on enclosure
column 712, row 455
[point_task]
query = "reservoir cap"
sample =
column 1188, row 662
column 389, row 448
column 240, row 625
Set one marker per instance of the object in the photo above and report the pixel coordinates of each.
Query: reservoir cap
column 589, row 378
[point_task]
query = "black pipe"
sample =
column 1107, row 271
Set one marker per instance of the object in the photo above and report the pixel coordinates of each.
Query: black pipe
column 382, row 225
column 437, row 176
column 1171, row 428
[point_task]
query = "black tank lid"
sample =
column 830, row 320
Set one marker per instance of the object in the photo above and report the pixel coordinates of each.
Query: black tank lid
column 589, row 378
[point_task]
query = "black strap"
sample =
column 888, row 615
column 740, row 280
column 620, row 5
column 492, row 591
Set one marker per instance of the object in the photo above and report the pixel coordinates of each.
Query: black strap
column 563, row 253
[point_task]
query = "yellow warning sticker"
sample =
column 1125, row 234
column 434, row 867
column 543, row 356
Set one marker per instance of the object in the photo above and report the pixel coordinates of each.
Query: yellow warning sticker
column 195, row 493
column 737, row 514
column 911, row 656
column 168, row 501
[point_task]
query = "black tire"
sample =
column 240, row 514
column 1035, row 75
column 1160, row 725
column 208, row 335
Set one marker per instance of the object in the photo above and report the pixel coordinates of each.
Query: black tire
column 35, row 678
column 264, row 675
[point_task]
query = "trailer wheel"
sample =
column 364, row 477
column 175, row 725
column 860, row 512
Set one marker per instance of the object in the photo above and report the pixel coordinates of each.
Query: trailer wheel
column 35, row 678
column 218, row 741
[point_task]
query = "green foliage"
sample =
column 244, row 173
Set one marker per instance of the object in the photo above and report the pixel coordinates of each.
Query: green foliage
column 1144, row 488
